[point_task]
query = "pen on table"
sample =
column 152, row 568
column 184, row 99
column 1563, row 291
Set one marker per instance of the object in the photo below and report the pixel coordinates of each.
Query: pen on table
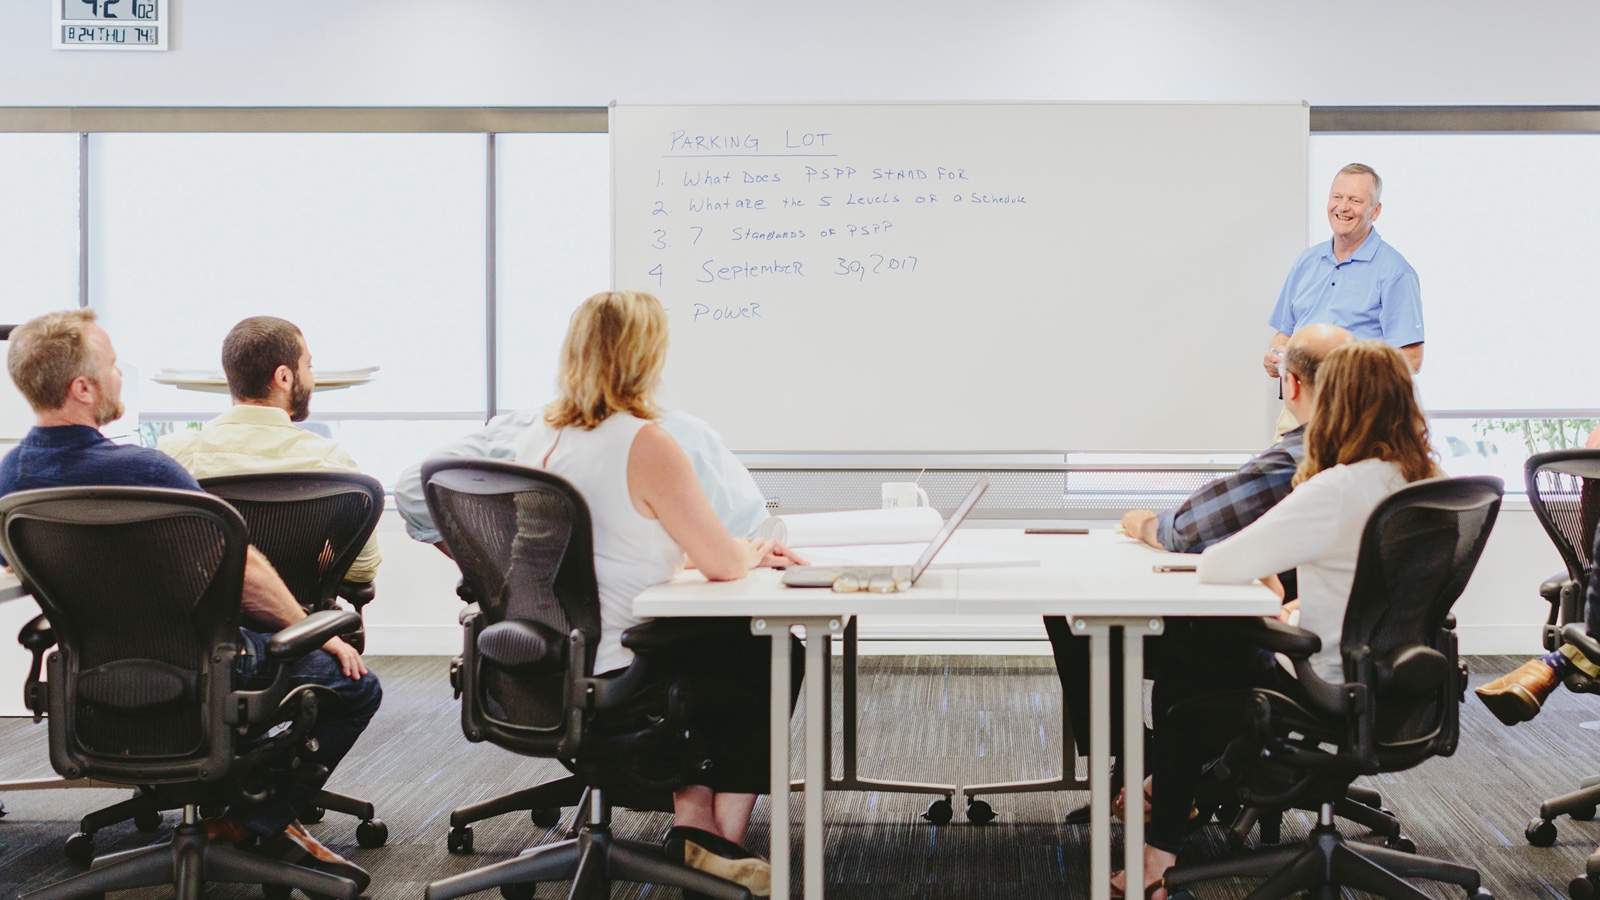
column 1055, row 531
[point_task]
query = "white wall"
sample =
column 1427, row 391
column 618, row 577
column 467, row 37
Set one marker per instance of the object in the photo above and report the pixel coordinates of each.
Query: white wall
column 557, row 52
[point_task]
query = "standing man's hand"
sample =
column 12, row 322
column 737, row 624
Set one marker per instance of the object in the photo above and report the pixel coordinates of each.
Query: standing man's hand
column 1274, row 355
column 349, row 660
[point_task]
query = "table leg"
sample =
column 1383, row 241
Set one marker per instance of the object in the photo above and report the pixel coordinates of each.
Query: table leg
column 1133, row 757
column 818, row 745
column 1099, row 757
column 779, row 797
column 815, row 751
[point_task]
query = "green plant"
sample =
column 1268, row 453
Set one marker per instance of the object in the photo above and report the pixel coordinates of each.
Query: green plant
column 150, row 432
column 1539, row 435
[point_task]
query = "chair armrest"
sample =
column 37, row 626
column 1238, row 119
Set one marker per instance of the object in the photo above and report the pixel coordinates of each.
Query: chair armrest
column 310, row 633
column 1281, row 637
column 37, row 637
column 359, row 593
column 467, row 613
column 1577, row 635
column 1550, row 588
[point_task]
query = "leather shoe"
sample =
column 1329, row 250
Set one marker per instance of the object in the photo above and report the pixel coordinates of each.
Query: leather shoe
column 1517, row 697
column 714, row 854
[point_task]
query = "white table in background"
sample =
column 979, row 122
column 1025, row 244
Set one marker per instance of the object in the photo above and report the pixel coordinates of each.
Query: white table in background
column 1098, row 581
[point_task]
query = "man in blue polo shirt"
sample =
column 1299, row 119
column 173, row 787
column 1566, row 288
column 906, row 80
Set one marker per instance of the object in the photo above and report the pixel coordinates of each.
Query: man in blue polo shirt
column 1355, row 281
column 65, row 366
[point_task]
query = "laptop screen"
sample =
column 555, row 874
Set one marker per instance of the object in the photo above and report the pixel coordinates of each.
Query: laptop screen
column 940, row 539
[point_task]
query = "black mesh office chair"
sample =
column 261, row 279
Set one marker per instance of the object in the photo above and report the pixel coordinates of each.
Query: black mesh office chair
column 142, row 590
column 1564, row 491
column 1398, row 707
column 523, row 541
column 311, row 526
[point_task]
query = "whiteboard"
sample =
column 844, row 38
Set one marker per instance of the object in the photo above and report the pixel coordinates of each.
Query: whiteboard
column 965, row 277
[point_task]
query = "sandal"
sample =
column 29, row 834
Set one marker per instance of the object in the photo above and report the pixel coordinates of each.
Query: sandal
column 1149, row 890
column 1119, row 806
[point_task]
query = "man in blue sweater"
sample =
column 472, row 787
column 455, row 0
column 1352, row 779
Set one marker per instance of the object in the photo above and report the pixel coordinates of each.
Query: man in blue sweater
column 65, row 366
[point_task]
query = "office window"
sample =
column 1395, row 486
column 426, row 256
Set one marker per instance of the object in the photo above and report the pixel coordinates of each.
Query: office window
column 38, row 225
column 374, row 244
column 553, row 249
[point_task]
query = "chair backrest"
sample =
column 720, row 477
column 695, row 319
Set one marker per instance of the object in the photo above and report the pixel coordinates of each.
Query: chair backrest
column 523, row 540
column 310, row 525
column 142, row 587
column 1417, row 553
column 1564, row 490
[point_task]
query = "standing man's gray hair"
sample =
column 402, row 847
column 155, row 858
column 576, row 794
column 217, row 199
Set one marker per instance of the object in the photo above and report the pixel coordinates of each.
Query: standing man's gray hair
column 1364, row 169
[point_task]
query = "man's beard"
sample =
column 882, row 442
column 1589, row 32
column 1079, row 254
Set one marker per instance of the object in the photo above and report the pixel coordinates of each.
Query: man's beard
column 107, row 409
column 299, row 401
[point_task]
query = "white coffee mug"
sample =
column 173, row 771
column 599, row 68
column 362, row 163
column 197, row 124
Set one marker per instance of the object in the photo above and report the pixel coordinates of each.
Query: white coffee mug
column 903, row 494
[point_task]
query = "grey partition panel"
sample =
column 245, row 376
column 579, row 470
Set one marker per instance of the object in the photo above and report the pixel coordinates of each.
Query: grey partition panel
column 1022, row 492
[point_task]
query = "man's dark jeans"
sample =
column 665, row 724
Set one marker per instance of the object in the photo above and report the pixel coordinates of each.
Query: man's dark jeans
column 336, row 730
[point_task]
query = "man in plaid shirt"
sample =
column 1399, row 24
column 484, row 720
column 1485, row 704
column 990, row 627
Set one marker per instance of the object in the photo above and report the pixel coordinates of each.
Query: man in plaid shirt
column 1211, row 514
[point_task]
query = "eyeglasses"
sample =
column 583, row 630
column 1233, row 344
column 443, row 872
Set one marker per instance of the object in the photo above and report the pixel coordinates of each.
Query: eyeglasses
column 898, row 580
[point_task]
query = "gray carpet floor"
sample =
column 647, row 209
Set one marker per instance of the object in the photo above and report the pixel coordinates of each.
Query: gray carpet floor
column 948, row 719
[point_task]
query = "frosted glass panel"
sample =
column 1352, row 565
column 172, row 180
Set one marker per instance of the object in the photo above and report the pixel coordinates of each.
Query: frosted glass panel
column 38, row 224
column 553, row 205
column 372, row 243
column 1501, row 230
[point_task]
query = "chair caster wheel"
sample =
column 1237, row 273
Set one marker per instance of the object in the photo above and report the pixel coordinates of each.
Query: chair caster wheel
column 372, row 833
column 1581, row 888
column 979, row 812
column 276, row 891
column 940, row 812
column 313, row 816
column 79, row 849
column 459, row 840
column 546, row 816
column 147, row 821
column 2, row 809
column 1540, row 833
column 520, row 891
column 1400, row 842
column 1583, row 815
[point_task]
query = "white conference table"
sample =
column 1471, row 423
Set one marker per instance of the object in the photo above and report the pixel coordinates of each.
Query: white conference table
column 1098, row 581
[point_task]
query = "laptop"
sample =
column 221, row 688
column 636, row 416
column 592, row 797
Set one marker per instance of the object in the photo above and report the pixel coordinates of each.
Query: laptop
column 896, row 577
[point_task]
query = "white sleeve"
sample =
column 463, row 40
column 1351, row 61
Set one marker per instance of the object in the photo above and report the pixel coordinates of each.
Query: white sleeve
column 734, row 495
column 497, row 440
column 1298, row 530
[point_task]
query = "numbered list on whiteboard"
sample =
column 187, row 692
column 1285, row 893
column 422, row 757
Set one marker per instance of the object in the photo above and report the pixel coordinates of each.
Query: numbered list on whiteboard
column 738, row 221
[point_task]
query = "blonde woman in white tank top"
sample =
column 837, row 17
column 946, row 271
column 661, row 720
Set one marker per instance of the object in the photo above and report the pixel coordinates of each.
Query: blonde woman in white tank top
column 651, row 518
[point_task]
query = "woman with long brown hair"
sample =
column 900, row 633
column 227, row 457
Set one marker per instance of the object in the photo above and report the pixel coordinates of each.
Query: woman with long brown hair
column 1367, row 439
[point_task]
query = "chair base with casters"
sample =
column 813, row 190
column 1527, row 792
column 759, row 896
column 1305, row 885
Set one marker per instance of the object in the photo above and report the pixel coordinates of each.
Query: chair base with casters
column 543, row 803
column 591, row 861
column 189, row 862
column 1361, row 805
column 1323, row 864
